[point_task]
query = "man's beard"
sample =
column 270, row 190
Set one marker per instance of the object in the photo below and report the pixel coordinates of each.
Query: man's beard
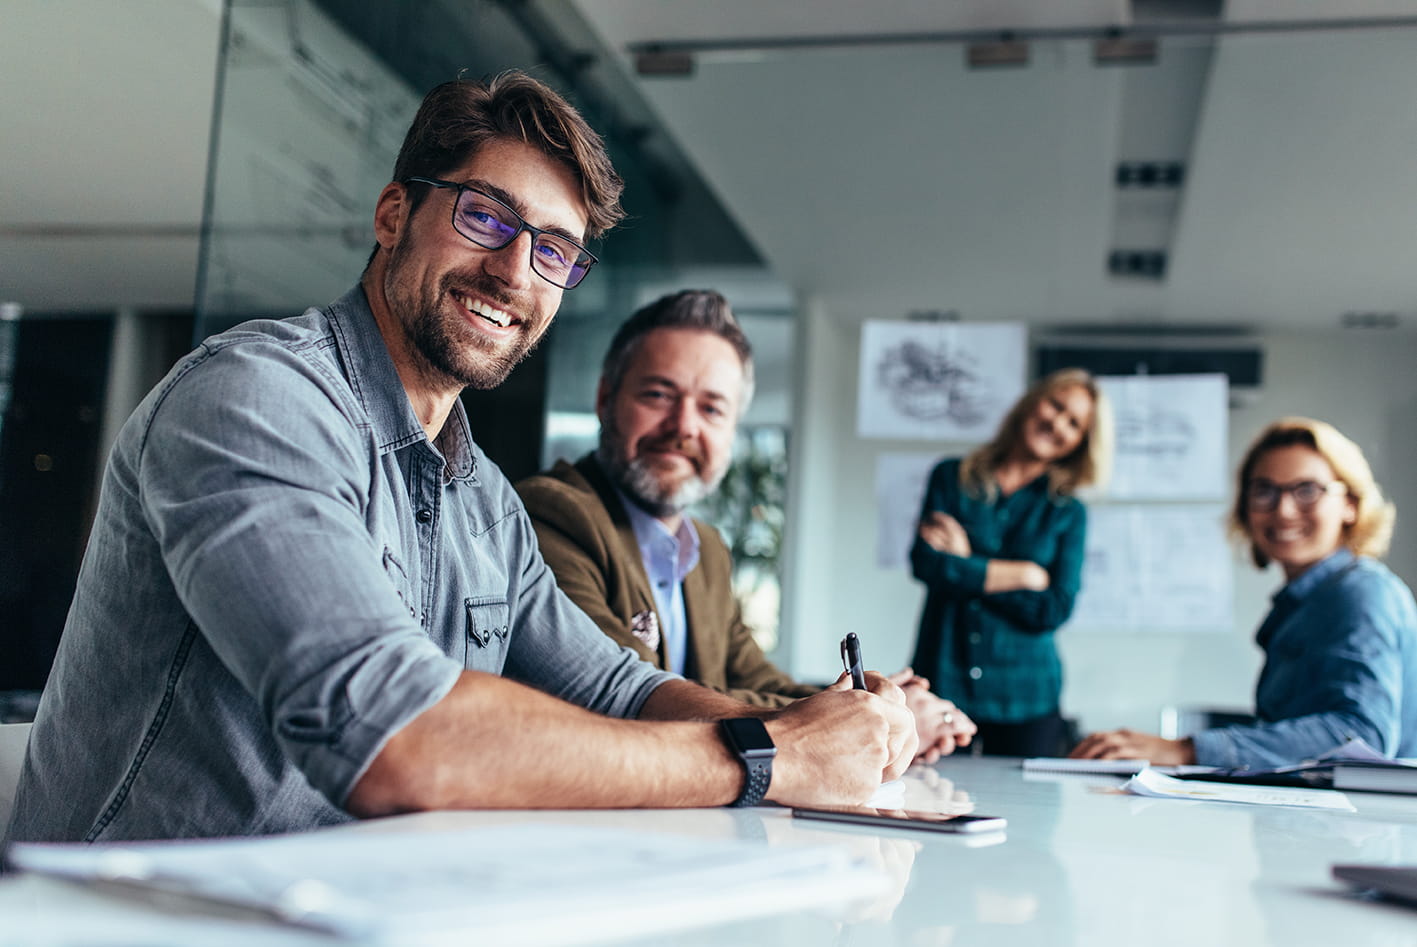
column 447, row 348
column 637, row 479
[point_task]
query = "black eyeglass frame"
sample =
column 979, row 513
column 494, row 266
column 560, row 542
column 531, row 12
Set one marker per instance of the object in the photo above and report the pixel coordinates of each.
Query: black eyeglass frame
column 590, row 258
column 1325, row 489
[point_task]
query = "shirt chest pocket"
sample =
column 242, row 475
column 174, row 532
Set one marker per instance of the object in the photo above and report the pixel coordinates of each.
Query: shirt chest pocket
column 488, row 626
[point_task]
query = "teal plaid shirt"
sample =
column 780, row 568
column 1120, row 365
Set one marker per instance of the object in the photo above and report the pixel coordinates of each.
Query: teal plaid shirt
column 994, row 655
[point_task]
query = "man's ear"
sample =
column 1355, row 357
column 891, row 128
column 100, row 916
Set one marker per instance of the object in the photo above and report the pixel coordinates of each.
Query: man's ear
column 391, row 214
column 602, row 399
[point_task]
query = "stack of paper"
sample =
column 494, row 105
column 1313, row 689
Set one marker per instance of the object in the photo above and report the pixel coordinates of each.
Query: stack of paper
column 515, row 883
column 1151, row 783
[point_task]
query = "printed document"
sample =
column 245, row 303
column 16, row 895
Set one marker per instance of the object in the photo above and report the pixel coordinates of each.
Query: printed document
column 542, row 883
column 1151, row 783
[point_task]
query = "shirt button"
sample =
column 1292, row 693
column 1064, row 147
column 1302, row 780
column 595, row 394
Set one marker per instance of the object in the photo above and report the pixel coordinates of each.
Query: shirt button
column 976, row 673
column 425, row 516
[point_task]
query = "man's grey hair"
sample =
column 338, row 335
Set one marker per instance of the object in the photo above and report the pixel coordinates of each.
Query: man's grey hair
column 701, row 309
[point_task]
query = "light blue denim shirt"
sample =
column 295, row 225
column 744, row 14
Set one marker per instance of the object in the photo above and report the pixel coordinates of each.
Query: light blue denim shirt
column 284, row 572
column 1340, row 649
column 668, row 558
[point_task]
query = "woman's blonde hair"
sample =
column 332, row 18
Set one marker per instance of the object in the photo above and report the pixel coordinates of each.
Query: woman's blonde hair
column 1089, row 464
column 1370, row 533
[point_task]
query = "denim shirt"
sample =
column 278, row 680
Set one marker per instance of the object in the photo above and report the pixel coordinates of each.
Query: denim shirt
column 1340, row 646
column 994, row 654
column 284, row 572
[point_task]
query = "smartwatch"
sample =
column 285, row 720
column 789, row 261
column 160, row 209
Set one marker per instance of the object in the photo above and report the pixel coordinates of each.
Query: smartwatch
column 748, row 738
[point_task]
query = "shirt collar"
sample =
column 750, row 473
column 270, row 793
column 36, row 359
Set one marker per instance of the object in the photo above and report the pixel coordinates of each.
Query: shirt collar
column 655, row 540
column 1304, row 586
column 376, row 384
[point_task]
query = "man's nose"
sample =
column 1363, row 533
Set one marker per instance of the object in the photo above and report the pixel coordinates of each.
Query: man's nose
column 682, row 419
column 1287, row 505
column 511, row 264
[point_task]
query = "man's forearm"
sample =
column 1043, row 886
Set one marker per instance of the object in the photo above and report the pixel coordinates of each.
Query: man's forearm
column 492, row 743
column 684, row 700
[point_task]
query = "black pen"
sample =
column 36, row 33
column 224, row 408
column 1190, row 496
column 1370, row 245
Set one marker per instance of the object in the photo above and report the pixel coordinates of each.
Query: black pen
column 851, row 658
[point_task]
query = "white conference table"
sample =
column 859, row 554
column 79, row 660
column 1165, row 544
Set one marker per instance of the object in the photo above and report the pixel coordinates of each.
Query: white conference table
column 1080, row 864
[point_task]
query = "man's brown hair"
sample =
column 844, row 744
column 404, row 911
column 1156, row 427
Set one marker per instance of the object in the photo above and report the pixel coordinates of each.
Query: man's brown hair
column 459, row 117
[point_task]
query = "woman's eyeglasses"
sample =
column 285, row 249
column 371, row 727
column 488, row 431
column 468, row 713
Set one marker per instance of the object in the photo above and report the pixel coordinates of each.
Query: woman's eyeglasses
column 1263, row 496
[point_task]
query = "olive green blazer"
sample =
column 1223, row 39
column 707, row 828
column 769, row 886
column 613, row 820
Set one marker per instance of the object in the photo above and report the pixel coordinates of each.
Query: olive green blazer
column 587, row 540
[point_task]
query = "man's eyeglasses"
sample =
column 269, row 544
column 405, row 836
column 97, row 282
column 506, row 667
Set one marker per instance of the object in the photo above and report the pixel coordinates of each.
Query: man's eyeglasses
column 492, row 225
column 1262, row 496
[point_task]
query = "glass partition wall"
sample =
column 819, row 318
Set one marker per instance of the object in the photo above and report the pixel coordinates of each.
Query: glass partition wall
column 313, row 99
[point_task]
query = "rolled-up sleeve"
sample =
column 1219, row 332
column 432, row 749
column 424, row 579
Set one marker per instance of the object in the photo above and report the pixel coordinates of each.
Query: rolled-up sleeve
column 1046, row 610
column 256, row 485
column 556, row 647
column 954, row 576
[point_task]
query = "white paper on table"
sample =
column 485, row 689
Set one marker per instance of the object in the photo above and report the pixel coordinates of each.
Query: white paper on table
column 543, row 883
column 1151, row 783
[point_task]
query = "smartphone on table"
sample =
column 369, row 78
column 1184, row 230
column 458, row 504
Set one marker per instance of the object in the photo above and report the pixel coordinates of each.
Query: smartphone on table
column 969, row 823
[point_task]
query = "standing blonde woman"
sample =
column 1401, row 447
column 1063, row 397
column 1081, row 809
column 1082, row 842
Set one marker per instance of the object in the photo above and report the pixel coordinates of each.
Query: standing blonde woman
column 1340, row 642
column 1000, row 548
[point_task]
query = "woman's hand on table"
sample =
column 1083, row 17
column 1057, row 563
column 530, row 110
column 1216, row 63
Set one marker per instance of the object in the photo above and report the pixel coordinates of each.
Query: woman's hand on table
column 1133, row 745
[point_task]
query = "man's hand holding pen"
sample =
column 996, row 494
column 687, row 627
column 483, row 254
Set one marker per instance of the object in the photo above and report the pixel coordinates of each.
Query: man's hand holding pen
column 837, row 747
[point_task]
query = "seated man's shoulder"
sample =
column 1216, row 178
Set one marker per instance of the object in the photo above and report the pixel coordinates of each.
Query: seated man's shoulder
column 562, row 496
column 714, row 555
column 262, row 351
column 253, row 370
column 561, row 484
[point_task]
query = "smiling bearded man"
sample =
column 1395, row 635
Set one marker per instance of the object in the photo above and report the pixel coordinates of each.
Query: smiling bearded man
column 677, row 377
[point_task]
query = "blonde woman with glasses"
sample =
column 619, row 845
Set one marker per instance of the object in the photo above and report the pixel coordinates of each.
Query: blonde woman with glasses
column 1340, row 641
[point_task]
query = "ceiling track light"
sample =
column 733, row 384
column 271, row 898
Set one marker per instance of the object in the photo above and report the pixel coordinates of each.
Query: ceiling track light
column 664, row 64
column 1005, row 52
column 1113, row 44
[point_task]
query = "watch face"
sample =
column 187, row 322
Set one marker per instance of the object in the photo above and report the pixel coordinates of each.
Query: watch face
column 749, row 736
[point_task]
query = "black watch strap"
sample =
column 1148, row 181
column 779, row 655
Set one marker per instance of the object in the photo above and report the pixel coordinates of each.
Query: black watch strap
column 756, row 788
column 748, row 738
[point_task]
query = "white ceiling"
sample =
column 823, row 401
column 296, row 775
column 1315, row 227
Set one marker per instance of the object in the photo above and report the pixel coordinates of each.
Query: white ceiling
column 876, row 180
column 887, row 179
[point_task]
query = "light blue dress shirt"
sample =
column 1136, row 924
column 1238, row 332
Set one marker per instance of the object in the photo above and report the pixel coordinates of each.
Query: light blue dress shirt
column 668, row 558
column 1340, row 649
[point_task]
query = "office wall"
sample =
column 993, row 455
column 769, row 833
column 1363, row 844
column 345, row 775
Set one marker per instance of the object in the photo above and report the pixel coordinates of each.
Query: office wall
column 1362, row 383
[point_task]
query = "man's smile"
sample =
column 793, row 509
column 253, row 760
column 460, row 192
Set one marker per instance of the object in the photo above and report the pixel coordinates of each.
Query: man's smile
column 489, row 313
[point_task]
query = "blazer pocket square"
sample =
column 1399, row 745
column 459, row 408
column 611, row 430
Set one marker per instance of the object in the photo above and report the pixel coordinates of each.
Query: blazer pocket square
column 645, row 627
